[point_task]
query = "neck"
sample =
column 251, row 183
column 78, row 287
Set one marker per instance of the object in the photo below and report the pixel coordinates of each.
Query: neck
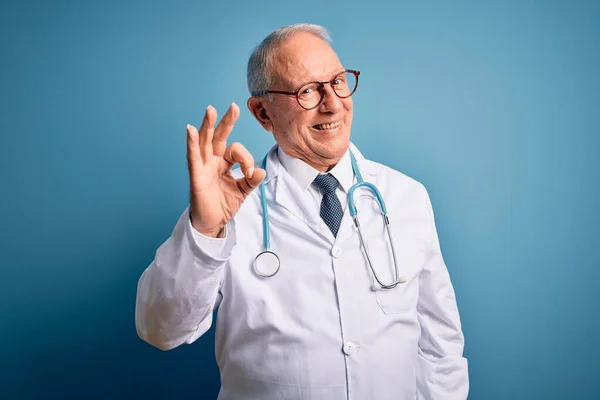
column 325, row 167
column 321, row 164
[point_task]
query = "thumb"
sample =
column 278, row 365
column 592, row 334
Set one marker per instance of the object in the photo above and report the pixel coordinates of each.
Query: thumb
column 257, row 177
column 247, row 185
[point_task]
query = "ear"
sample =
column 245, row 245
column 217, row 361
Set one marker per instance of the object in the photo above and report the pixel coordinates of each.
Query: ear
column 257, row 108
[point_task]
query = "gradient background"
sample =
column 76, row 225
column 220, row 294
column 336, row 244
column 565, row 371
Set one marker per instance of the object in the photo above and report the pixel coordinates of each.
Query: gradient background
column 492, row 105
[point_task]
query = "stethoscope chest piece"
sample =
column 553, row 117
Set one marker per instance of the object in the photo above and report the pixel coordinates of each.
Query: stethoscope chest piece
column 266, row 264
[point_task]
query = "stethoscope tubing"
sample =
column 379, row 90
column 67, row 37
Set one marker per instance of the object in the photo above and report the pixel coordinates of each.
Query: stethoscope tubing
column 353, row 212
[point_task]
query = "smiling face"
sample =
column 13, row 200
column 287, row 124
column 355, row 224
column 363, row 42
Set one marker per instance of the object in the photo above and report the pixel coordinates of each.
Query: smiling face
column 319, row 136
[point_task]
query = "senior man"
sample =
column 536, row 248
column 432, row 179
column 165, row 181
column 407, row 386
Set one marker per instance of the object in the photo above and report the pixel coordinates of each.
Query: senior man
column 335, row 308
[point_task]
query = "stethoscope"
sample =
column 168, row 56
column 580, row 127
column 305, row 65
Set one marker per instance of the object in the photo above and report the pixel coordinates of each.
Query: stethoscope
column 267, row 263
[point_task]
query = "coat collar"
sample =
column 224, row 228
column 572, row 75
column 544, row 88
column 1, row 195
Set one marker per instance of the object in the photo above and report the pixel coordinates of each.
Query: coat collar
column 274, row 166
column 297, row 202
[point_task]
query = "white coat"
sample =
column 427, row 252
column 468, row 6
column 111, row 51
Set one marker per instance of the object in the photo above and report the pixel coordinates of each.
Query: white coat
column 317, row 329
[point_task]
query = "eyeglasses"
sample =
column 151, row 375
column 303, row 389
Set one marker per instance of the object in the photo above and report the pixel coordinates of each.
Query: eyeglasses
column 310, row 95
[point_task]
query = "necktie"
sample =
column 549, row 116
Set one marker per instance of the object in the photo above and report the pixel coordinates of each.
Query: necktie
column 331, row 209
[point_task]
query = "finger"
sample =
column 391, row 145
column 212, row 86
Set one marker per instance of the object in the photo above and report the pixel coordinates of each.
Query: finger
column 248, row 185
column 224, row 128
column 237, row 153
column 194, row 158
column 206, row 133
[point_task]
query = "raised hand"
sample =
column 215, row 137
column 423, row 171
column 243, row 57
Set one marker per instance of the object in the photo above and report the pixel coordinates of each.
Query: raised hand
column 216, row 196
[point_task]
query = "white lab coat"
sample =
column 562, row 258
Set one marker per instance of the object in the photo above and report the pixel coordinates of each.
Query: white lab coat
column 317, row 329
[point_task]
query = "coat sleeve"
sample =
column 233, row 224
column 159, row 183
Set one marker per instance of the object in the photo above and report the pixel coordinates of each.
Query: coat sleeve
column 443, row 372
column 178, row 291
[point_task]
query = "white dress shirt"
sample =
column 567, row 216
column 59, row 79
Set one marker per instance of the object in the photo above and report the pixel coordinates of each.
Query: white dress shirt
column 304, row 175
column 317, row 329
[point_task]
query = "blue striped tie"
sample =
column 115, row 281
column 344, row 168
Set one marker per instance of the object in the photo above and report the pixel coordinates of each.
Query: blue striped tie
column 331, row 209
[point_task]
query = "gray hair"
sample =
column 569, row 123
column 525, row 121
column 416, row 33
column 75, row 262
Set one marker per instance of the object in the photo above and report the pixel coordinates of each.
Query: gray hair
column 259, row 75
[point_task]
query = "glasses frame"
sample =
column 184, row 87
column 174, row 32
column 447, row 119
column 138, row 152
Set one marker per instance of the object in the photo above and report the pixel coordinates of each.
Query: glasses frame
column 321, row 88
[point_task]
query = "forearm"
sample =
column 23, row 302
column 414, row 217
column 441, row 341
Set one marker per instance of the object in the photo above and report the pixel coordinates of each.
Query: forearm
column 443, row 371
column 177, row 293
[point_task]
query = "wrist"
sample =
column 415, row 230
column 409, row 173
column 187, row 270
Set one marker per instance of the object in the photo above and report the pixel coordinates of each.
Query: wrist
column 216, row 232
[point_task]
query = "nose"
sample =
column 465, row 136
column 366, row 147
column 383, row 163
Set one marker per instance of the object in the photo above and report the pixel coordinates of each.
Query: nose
column 331, row 102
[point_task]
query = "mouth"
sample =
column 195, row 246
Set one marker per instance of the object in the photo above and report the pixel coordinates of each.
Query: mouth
column 328, row 126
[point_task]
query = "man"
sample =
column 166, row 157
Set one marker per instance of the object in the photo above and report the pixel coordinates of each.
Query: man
column 330, row 323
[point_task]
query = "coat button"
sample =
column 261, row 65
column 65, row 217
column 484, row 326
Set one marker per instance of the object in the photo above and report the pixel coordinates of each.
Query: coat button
column 349, row 348
column 336, row 251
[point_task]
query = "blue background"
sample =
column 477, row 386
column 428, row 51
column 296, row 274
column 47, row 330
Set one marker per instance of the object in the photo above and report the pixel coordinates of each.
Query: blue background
column 492, row 105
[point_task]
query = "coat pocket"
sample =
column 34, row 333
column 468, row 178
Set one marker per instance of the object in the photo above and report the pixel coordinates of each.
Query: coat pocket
column 409, row 258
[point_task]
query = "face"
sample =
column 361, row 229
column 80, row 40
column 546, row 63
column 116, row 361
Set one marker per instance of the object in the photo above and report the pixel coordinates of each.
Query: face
column 320, row 136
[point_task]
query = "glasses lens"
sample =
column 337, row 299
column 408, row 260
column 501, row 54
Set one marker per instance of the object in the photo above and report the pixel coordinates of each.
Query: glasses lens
column 344, row 84
column 309, row 95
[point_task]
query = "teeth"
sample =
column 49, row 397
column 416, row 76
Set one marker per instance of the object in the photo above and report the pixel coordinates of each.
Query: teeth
column 328, row 126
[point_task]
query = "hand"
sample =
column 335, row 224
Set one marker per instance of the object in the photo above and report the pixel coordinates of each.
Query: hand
column 215, row 195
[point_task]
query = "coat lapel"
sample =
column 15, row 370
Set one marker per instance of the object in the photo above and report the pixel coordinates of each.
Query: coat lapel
column 280, row 187
column 290, row 197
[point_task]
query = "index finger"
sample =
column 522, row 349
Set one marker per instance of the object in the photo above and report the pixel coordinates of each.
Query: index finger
column 224, row 128
column 237, row 153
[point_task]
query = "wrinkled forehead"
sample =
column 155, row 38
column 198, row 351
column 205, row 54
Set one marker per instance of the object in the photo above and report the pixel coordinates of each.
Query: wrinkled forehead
column 303, row 58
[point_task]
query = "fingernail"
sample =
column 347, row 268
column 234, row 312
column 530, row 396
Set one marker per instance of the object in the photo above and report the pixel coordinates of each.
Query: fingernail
column 250, row 172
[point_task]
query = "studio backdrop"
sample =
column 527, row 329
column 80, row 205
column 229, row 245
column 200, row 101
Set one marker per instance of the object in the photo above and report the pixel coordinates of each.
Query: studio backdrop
column 492, row 105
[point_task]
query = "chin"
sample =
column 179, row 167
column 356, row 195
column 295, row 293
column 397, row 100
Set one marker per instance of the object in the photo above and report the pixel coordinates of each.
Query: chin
column 335, row 148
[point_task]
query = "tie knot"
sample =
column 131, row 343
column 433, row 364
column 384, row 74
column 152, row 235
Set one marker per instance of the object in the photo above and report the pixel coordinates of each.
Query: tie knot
column 326, row 183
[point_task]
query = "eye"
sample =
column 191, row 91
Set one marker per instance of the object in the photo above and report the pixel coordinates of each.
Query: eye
column 308, row 90
column 339, row 81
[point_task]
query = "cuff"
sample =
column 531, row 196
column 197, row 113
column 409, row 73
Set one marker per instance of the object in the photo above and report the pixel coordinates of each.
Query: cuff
column 212, row 251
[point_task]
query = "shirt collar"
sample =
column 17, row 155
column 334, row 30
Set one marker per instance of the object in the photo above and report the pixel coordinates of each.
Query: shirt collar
column 304, row 174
